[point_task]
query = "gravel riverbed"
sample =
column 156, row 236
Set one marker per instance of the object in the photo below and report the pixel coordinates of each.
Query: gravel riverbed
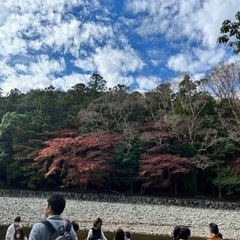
column 140, row 218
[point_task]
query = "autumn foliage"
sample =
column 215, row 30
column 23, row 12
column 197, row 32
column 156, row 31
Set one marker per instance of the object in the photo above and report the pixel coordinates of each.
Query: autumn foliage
column 81, row 160
column 158, row 166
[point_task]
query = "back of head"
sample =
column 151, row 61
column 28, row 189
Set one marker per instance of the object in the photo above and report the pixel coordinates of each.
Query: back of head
column 181, row 233
column 119, row 235
column 75, row 225
column 184, row 233
column 213, row 228
column 57, row 204
column 176, row 232
column 128, row 234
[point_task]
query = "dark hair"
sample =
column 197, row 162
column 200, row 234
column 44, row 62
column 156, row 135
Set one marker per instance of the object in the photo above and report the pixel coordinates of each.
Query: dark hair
column 119, row 235
column 57, row 203
column 220, row 235
column 176, row 232
column 96, row 221
column 21, row 232
column 75, row 225
column 184, row 233
column 17, row 219
column 181, row 233
column 127, row 234
column 213, row 228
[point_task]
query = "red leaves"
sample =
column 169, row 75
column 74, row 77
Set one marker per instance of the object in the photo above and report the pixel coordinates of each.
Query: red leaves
column 82, row 159
column 159, row 168
column 236, row 166
column 157, row 165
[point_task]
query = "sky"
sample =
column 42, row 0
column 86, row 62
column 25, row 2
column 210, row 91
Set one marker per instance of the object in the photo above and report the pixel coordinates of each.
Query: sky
column 138, row 43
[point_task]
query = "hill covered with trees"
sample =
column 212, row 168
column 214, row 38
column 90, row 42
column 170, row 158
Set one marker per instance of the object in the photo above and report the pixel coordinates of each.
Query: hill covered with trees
column 181, row 138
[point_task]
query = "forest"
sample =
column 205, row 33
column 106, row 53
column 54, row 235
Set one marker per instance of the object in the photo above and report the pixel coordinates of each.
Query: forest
column 180, row 138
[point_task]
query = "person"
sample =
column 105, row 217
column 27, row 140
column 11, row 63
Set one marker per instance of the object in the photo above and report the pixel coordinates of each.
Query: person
column 176, row 232
column 75, row 225
column 13, row 227
column 119, row 235
column 96, row 233
column 181, row 233
column 220, row 235
column 54, row 207
column 213, row 229
column 127, row 235
column 19, row 234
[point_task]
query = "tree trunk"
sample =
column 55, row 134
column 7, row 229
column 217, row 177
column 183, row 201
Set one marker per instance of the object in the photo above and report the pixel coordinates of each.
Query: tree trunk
column 131, row 187
column 175, row 188
column 219, row 193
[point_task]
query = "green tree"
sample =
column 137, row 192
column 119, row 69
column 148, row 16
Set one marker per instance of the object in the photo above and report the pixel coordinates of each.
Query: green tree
column 9, row 123
column 231, row 33
column 127, row 160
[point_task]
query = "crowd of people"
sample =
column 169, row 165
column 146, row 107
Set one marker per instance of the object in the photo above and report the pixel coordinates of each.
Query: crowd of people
column 55, row 227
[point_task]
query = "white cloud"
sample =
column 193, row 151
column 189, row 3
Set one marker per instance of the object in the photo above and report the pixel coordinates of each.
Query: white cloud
column 68, row 81
column 116, row 64
column 43, row 42
column 147, row 83
column 194, row 19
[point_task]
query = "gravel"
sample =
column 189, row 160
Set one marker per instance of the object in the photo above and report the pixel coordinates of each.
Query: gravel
column 139, row 218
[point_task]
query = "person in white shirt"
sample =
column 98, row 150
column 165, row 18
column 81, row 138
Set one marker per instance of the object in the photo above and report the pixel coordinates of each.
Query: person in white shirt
column 13, row 227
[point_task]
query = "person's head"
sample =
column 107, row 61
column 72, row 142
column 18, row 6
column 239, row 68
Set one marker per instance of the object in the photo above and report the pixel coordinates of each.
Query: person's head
column 19, row 234
column 184, row 233
column 97, row 223
column 176, row 232
column 213, row 228
column 127, row 235
column 181, row 233
column 119, row 235
column 55, row 205
column 75, row 225
column 17, row 221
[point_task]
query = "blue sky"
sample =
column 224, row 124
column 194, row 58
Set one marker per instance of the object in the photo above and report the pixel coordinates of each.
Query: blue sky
column 139, row 43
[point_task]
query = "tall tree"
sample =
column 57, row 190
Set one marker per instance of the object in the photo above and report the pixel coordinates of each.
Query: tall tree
column 9, row 123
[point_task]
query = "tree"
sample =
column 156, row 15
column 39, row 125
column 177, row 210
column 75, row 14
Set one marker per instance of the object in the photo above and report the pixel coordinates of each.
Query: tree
column 116, row 110
column 224, row 84
column 158, row 166
column 8, row 126
column 127, row 160
column 231, row 33
column 96, row 83
column 226, row 179
column 159, row 102
column 79, row 160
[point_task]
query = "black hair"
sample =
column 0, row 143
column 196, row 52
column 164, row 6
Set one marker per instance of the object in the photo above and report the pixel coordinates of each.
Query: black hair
column 17, row 219
column 184, row 233
column 127, row 234
column 176, row 232
column 213, row 228
column 181, row 233
column 119, row 235
column 75, row 225
column 220, row 235
column 57, row 203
